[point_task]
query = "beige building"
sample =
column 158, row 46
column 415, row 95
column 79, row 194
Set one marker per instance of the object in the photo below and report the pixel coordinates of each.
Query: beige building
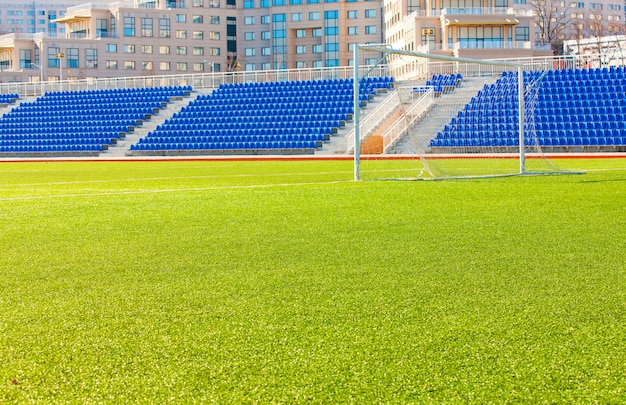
column 167, row 37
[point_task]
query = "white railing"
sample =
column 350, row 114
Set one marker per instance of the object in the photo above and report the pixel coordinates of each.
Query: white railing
column 372, row 120
column 420, row 106
column 197, row 81
column 477, row 10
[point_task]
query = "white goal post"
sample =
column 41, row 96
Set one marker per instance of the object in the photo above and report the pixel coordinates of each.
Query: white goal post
column 386, row 50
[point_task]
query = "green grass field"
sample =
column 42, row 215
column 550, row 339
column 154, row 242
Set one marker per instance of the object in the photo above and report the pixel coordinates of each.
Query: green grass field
column 285, row 282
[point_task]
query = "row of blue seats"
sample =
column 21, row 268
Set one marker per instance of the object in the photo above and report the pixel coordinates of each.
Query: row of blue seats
column 231, row 138
column 113, row 129
column 51, row 148
column 178, row 90
column 274, row 97
column 241, row 132
column 255, row 121
column 61, row 136
column 183, row 126
column 275, row 114
column 266, row 110
column 78, row 118
column 8, row 98
column 508, row 132
column 45, row 142
column 91, row 106
column 226, row 146
column 514, row 142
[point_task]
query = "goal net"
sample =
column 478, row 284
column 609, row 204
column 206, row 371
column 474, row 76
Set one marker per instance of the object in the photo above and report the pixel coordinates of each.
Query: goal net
column 448, row 117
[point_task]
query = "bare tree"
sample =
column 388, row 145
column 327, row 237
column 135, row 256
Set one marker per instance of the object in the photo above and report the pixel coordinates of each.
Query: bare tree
column 552, row 19
column 232, row 64
column 606, row 38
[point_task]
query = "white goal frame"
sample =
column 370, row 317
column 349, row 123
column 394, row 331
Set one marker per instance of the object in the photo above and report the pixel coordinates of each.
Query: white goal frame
column 386, row 49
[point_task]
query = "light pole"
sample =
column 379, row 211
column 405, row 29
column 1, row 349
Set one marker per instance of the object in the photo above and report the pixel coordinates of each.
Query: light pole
column 40, row 66
column 60, row 56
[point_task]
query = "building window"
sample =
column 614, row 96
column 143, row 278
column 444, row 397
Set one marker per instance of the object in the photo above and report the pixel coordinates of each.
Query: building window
column 317, row 48
column 248, row 20
column 214, row 3
column 181, row 50
column 72, row 57
column 111, row 48
column 198, row 35
column 181, row 18
column 295, row 2
column 198, row 3
column 147, row 65
column 214, row 35
column 26, row 58
column 214, row 19
column 111, row 64
column 249, row 36
column 198, row 50
column 370, row 29
column 129, row 26
column 265, row 19
column 265, row 35
column 266, row 66
column 300, row 33
column 101, row 28
column 91, row 58
column 164, row 50
column 129, row 65
column 198, row 19
column 248, row 3
column 300, row 49
column 300, row 65
column 314, row 15
column 214, row 51
column 353, row 14
column 164, row 66
column 370, row 13
column 250, row 52
column 147, row 49
column 265, row 51
column 181, row 66
column 296, row 16
column 129, row 48
column 181, row 34
column 198, row 67
column 522, row 34
column 332, row 30
column 164, row 27
column 353, row 30
column 317, row 32
column 146, row 27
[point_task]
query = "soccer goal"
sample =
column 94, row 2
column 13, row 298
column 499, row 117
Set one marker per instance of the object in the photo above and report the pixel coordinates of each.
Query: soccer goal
column 446, row 117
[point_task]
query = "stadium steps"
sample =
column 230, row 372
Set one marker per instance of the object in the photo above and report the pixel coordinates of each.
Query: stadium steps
column 337, row 143
column 122, row 148
column 437, row 117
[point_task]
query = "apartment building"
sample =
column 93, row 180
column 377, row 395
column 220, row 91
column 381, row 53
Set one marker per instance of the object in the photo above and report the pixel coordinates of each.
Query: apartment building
column 167, row 37
column 30, row 17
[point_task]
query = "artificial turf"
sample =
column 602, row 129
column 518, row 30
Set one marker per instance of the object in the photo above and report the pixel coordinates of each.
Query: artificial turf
column 285, row 282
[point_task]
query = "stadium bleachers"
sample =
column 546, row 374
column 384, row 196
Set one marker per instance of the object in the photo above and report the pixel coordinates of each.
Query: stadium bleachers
column 260, row 117
column 573, row 109
column 8, row 98
column 443, row 84
column 84, row 122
